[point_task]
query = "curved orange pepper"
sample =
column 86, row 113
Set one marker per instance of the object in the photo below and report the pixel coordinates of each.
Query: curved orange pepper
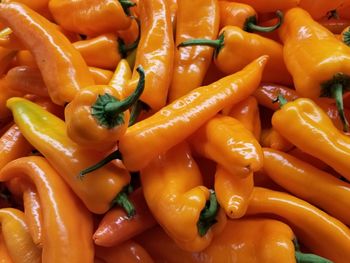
column 66, row 223
column 63, row 75
column 313, row 227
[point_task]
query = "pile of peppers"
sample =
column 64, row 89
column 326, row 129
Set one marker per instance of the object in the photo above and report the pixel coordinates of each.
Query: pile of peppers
column 174, row 131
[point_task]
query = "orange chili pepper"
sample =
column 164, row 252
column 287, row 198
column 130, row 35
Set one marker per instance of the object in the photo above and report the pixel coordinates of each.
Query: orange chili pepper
column 273, row 139
column 179, row 119
column 66, row 222
column 91, row 17
column 297, row 153
column 4, row 254
column 266, row 6
column 97, row 117
column 116, row 227
column 128, row 252
column 191, row 63
column 251, row 240
column 309, row 128
column 235, row 48
column 174, row 193
column 63, row 75
column 47, row 133
column 313, row 227
column 155, row 52
column 309, row 183
column 233, row 192
column 226, row 141
column 320, row 8
column 17, row 239
column 247, row 112
column 315, row 74
column 131, row 34
column 243, row 16
column 100, row 76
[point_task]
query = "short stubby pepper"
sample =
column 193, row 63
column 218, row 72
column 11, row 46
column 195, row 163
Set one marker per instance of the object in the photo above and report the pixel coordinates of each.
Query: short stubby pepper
column 63, row 75
column 235, row 48
column 309, row 183
column 66, row 222
column 226, row 141
column 317, row 60
column 308, row 127
column 98, row 116
column 186, row 209
column 47, row 133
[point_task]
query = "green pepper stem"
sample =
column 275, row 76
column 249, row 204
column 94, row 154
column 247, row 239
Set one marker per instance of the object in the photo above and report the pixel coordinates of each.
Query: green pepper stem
column 122, row 200
column 346, row 37
column 332, row 14
column 123, row 48
column 126, row 4
column 109, row 111
column 251, row 26
column 208, row 214
column 136, row 111
column 216, row 43
column 281, row 100
column 112, row 156
column 337, row 94
column 309, row 258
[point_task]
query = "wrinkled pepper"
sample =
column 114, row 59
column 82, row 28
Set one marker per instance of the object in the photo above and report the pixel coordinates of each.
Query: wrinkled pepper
column 98, row 116
column 317, row 60
column 235, row 48
column 308, row 127
column 47, row 133
column 179, row 119
column 66, row 223
column 92, row 17
column 247, row 112
column 63, row 75
column 226, row 141
column 116, row 228
column 313, row 227
column 309, row 183
column 192, row 63
column 128, row 252
column 266, row 6
column 155, row 52
column 173, row 190
column 18, row 241
column 251, row 240
column 243, row 16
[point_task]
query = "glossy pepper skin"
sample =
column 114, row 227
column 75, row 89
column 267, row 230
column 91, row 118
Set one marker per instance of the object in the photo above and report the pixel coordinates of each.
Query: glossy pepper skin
column 309, row 183
column 90, row 17
column 63, row 75
column 116, row 228
column 66, row 223
column 89, row 124
column 309, row 128
column 192, row 63
column 172, row 186
column 251, row 240
column 18, row 241
column 226, row 141
column 178, row 120
column 128, row 252
column 317, row 60
column 47, row 134
column 155, row 52
column 313, row 227
column 235, row 48
column 13, row 145
column 273, row 139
